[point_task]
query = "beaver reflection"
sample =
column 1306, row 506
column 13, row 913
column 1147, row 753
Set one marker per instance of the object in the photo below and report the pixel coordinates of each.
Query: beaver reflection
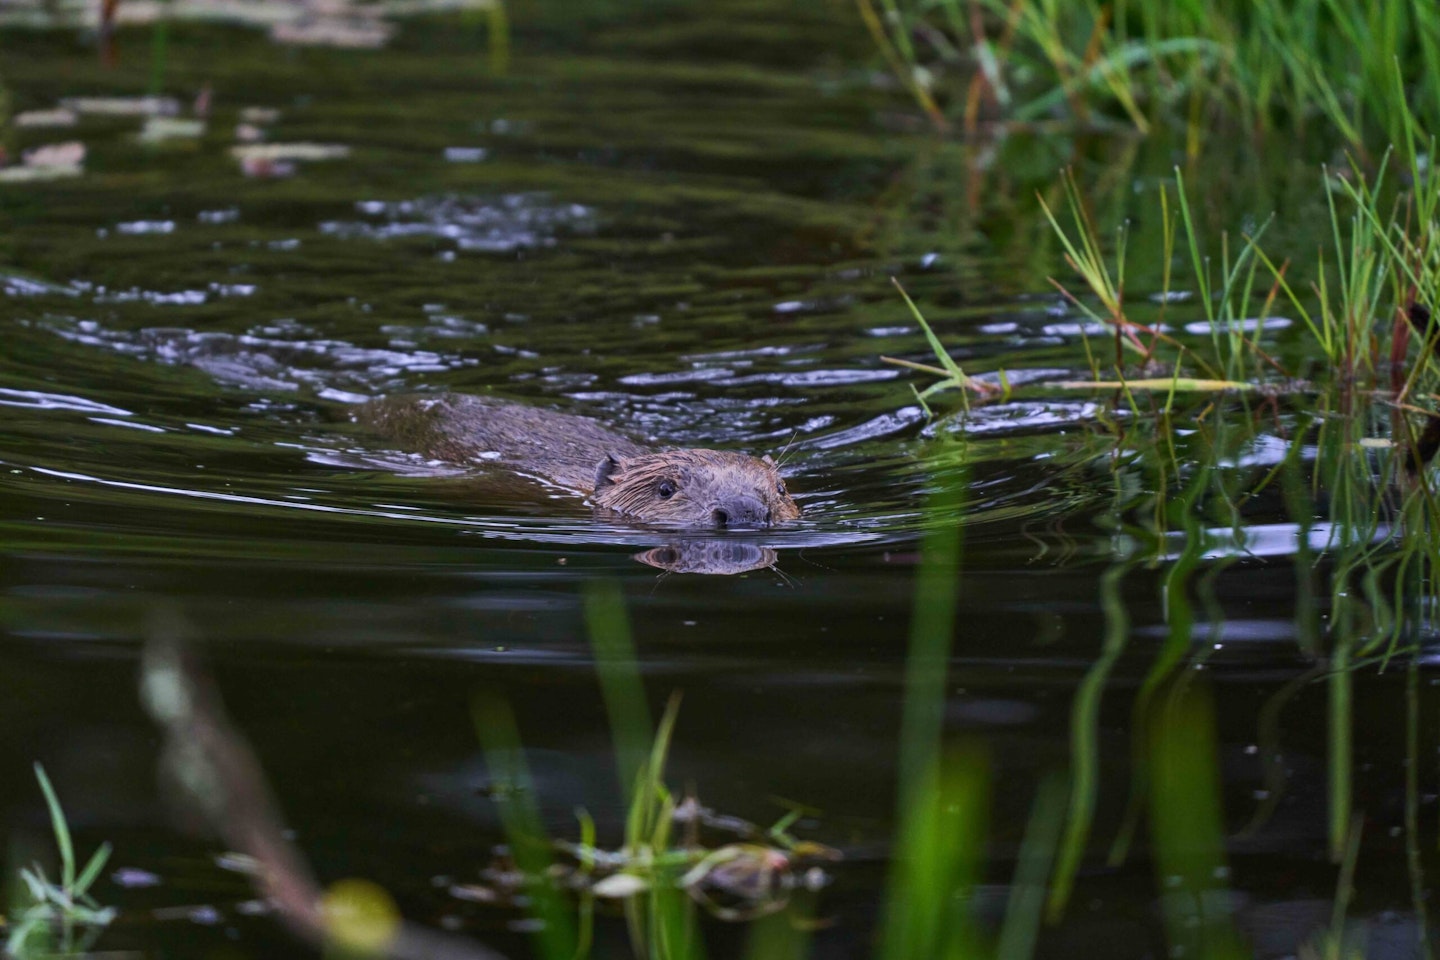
column 690, row 488
column 708, row 556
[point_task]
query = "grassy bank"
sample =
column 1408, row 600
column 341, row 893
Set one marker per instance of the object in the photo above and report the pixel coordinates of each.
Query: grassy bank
column 1269, row 65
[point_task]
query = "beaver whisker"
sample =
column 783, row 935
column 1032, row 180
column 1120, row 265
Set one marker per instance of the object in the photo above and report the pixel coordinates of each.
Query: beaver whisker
column 780, row 458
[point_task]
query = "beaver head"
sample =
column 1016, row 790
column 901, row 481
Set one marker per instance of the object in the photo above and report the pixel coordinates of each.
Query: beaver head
column 694, row 488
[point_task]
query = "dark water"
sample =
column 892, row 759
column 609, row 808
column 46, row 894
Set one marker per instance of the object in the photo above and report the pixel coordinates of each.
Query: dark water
column 682, row 221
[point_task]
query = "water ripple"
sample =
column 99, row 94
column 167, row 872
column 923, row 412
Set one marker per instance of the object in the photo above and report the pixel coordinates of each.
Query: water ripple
column 494, row 225
column 36, row 400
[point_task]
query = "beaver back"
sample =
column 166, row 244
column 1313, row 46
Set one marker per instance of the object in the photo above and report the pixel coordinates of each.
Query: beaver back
column 561, row 448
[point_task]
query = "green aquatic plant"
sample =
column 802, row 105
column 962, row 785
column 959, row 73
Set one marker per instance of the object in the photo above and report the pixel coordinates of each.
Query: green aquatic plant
column 663, row 873
column 1262, row 65
column 661, row 919
column 676, row 859
column 1383, row 259
column 1353, row 479
column 58, row 918
column 1224, row 300
column 1146, row 356
column 530, row 848
column 939, row 853
column 942, row 794
column 630, row 723
column 952, row 377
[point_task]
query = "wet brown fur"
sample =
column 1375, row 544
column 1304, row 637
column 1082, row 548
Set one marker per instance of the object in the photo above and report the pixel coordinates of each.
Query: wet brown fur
column 691, row 487
column 700, row 478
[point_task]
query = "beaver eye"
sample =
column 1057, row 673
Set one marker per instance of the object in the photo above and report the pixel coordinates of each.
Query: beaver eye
column 780, row 487
column 666, row 489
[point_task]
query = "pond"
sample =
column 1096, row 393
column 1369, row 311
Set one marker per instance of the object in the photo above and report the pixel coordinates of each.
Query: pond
column 1123, row 669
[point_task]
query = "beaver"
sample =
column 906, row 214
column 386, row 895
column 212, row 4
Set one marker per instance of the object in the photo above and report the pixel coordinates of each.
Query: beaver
column 680, row 488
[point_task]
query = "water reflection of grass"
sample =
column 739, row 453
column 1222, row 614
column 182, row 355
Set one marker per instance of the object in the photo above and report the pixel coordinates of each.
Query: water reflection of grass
column 1192, row 481
column 1188, row 514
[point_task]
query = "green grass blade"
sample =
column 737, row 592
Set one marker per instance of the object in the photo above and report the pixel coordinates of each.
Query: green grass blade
column 620, row 686
column 92, row 869
column 946, row 361
column 61, row 829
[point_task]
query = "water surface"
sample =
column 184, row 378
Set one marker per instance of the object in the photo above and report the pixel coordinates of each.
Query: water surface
column 683, row 222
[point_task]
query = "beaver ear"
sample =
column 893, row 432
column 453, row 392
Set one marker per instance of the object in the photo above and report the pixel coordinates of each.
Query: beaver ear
column 603, row 471
column 767, row 460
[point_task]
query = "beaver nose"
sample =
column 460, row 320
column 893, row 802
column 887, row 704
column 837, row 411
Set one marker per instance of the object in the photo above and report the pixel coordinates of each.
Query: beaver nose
column 742, row 511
